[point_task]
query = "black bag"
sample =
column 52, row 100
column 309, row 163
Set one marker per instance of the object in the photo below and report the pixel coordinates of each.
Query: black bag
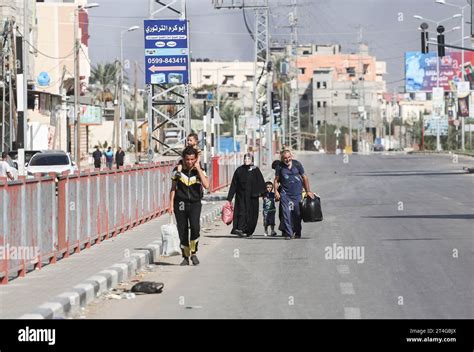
column 311, row 209
column 147, row 287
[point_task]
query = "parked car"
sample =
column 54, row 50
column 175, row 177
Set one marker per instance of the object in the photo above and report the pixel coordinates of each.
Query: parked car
column 378, row 148
column 50, row 161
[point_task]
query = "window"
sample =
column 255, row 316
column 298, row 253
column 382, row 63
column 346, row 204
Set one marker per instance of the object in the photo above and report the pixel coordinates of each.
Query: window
column 49, row 159
column 318, row 85
column 233, row 95
column 325, row 85
column 229, row 77
column 249, row 78
column 366, row 68
column 351, row 71
column 302, row 70
column 207, row 76
column 324, row 104
column 318, row 104
column 200, row 95
column 335, row 114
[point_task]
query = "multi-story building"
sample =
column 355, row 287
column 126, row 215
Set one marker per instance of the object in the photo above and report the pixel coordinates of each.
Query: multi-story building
column 50, row 65
column 231, row 81
column 335, row 87
column 54, row 67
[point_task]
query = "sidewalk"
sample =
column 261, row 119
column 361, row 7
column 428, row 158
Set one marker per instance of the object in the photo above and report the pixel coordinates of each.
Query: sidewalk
column 77, row 280
column 24, row 295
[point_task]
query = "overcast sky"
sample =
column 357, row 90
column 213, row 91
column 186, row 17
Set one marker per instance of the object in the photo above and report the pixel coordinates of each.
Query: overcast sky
column 388, row 28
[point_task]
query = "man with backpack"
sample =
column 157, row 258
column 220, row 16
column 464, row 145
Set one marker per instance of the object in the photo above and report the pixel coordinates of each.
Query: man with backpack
column 290, row 176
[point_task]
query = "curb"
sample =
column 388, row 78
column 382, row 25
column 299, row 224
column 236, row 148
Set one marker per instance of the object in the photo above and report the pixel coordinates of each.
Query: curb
column 69, row 303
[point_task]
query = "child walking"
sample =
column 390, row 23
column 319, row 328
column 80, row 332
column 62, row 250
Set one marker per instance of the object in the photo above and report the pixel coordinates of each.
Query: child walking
column 269, row 209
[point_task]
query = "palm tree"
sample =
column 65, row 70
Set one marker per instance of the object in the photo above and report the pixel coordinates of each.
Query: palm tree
column 103, row 80
column 228, row 111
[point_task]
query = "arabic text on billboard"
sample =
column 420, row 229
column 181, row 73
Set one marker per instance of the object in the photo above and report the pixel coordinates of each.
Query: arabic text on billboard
column 421, row 71
column 166, row 52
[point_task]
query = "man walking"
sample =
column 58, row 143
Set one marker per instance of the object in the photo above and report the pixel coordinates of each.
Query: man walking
column 289, row 174
column 119, row 157
column 185, row 202
column 109, row 158
column 5, row 168
column 97, row 155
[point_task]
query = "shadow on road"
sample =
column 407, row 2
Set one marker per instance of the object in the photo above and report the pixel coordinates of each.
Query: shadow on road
column 396, row 173
column 450, row 216
column 426, row 239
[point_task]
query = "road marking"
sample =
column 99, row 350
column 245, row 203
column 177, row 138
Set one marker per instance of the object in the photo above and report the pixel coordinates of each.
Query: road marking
column 343, row 269
column 347, row 288
column 351, row 313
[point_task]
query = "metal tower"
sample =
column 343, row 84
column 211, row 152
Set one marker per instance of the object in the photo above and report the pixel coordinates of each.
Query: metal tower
column 294, row 118
column 167, row 104
column 262, row 79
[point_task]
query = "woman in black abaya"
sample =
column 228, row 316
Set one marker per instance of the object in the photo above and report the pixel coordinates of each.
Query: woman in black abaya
column 247, row 186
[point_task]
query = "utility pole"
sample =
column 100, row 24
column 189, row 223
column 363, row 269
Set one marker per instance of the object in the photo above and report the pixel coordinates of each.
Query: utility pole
column 262, row 56
column 295, row 119
column 77, row 114
column 23, row 118
column 135, row 108
column 8, row 75
column 117, row 105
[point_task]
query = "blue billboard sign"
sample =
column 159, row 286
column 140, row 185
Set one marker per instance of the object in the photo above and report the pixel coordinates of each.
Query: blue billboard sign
column 166, row 52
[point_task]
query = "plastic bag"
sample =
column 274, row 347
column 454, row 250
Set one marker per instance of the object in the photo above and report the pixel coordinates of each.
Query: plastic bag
column 170, row 244
column 227, row 213
column 311, row 209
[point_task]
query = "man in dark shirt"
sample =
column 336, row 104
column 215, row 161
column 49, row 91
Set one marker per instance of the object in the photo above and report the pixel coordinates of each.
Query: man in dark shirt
column 119, row 157
column 97, row 155
column 185, row 202
column 289, row 174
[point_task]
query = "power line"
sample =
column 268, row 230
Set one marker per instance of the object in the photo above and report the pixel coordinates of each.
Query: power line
column 40, row 52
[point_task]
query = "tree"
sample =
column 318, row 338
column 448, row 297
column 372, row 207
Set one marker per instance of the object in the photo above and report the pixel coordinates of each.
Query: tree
column 103, row 80
column 228, row 112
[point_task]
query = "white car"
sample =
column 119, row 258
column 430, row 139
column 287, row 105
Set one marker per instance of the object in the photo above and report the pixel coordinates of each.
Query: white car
column 50, row 161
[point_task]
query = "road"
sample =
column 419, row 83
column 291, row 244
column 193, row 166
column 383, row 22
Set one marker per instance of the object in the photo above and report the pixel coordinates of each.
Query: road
column 411, row 215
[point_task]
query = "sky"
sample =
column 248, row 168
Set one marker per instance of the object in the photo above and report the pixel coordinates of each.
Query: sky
column 388, row 27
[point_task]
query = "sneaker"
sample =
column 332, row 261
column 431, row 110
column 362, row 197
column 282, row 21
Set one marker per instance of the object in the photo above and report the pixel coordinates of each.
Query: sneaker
column 287, row 238
column 274, row 234
column 195, row 259
column 297, row 235
column 185, row 262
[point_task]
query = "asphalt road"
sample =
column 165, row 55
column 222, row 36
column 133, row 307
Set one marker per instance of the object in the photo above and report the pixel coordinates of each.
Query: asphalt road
column 411, row 218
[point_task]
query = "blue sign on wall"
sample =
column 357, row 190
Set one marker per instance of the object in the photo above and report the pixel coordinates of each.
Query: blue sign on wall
column 166, row 52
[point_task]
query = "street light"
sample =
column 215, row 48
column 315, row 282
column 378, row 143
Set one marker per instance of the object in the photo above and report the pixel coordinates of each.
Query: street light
column 77, row 114
column 438, row 137
column 443, row 2
column 448, row 31
column 421, row 18
column 122, row 103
